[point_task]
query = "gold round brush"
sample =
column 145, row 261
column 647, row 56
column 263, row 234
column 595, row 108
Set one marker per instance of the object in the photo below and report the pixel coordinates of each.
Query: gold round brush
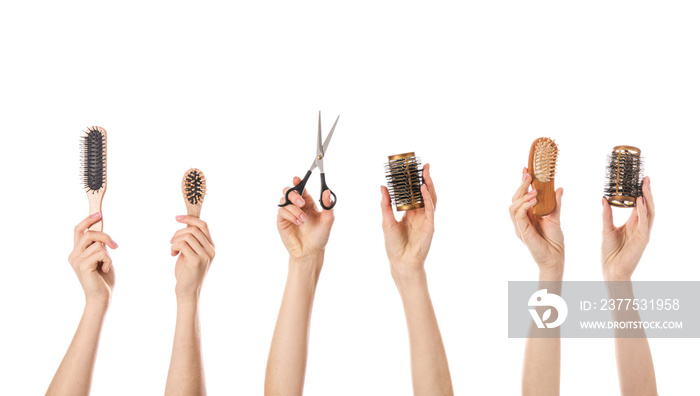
column 404, row 178
column 194, row 188
column 542, row 166
column 624, row 176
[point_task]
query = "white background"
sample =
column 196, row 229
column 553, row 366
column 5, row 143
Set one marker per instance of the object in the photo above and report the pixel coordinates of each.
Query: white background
column 234, row 89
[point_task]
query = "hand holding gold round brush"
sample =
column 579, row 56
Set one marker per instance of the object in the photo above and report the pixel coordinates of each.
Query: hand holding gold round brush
column 542, row 166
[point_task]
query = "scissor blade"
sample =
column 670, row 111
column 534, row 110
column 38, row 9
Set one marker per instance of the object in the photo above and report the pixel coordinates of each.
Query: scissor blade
column 330, row 135
column 319, row 148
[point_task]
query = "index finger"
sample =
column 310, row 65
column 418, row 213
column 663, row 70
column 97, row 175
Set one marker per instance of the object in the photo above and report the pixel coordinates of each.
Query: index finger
column 196, row 222
column 522, row 189
column 80, row 229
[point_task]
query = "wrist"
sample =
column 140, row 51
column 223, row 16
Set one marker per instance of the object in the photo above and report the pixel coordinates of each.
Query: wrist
column 407, row 277
column 552, row 271
column 96, row 307
column 616, row 278
column 185, row 297
column 310, row 264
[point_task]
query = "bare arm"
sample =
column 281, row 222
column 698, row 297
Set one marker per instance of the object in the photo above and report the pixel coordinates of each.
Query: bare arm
column 407, row 244
column 304, row 231
column 621, row 251
column 196, row 252
column 286, row 365
column 545, row 241
column 93, row 266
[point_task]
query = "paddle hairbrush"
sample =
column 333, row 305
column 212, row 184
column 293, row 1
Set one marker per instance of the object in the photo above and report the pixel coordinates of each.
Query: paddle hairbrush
column 624, row 175
column 542, row 166
column 194, row 188
column 404, row 178
column 94, row 169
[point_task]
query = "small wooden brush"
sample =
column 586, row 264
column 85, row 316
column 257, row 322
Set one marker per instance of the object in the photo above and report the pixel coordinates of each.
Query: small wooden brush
column 625, row 172
column 194, row 188
column 94, row 169
column 542, row 166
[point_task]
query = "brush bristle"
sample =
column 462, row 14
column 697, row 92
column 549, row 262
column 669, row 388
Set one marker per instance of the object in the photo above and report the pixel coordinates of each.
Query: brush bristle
column 545, row 160
column 194, row 186
column 624, row 175
column 404, row 178
column 94, row 159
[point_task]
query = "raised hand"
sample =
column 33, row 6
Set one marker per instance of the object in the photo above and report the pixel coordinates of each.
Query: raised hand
column 623, row 246
column 542, row 235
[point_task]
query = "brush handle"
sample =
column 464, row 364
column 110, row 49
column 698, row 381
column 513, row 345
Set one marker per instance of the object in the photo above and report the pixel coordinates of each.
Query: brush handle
column 95, row 200
column 193, row 210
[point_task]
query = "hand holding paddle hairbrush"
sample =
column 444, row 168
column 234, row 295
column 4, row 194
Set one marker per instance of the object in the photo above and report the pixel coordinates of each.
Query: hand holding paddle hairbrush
column 94, row 169
column 542, row 235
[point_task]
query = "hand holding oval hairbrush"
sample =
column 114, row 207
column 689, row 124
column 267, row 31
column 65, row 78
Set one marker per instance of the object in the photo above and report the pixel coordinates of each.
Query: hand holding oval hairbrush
column 196, row 253
column 623, row 246
column 193, row 243
column 542, row 235
column 94, row 167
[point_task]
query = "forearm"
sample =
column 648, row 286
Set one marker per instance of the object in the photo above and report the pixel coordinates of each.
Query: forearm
column 429, row 369
column 635, row 367
column 286, row 364
column 74, row 375
column 542, row 365
column 186, row 373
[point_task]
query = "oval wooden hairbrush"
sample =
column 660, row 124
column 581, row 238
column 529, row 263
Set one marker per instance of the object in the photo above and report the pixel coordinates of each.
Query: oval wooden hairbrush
column 625, row 172
column 194, row 188
column 404, row 178
column 94, row 169
column 542, row 166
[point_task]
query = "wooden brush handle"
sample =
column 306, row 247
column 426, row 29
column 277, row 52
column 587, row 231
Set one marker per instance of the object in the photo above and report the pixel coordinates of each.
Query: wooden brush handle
column 95, row 200
column 193, row 210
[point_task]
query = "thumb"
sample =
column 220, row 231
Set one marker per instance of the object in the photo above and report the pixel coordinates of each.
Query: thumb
column 608, row 224
column 556, row 213
column 327, row 216
column 388, row 218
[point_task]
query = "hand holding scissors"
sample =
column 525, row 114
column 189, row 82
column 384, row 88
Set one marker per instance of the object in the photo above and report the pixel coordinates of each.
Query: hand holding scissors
column 318, row 162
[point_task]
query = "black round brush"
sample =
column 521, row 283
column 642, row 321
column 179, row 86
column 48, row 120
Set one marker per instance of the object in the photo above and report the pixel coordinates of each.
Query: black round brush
column 624, row 175
column 404, row 176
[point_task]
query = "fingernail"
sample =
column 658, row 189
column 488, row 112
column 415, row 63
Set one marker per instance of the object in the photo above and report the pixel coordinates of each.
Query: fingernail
column 114, row 245
column 298, row 222
column 96, row 215
column 171, row 240
column 179, row 218
column 300, row 202
column 533, row 192
column 303, row 217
